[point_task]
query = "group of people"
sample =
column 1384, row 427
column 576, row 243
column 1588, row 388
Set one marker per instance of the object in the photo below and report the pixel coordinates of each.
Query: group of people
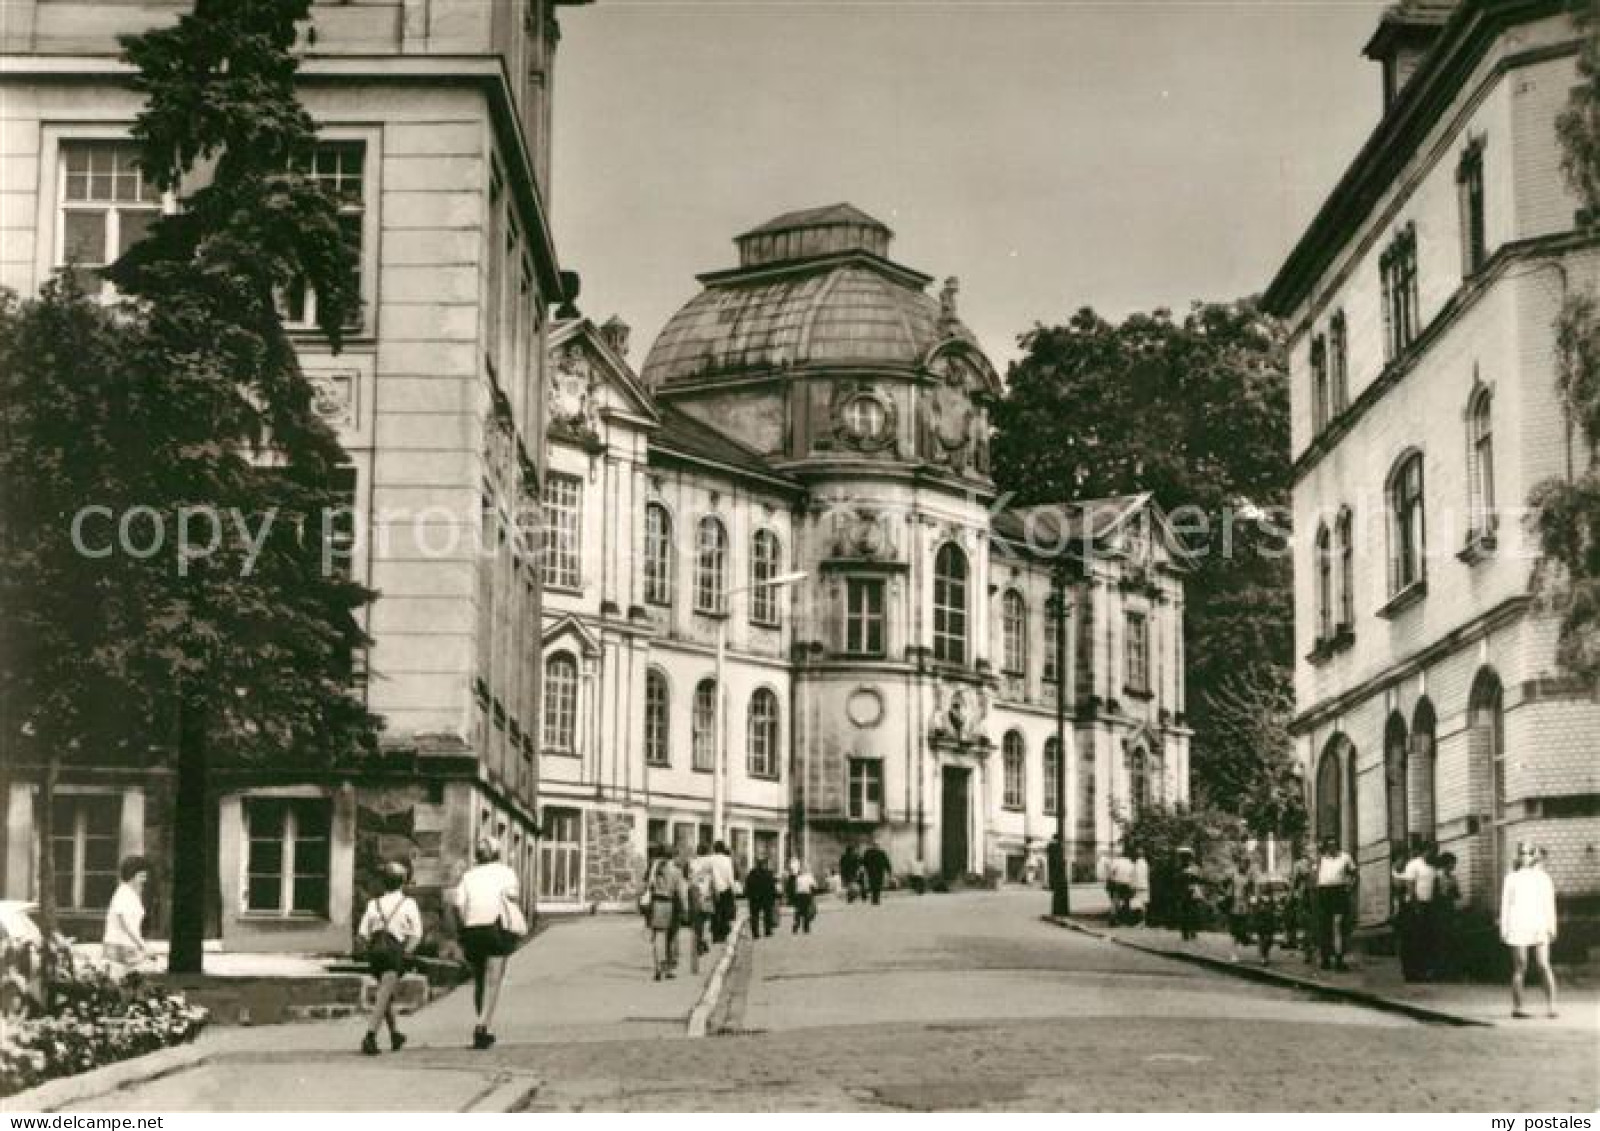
column 1128, row 887
column 863, row 874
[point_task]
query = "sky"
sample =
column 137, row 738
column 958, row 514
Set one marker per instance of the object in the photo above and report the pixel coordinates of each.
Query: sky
column 1051, row 154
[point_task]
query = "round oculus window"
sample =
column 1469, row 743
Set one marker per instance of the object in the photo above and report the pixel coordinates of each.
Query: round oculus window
column 866, row 418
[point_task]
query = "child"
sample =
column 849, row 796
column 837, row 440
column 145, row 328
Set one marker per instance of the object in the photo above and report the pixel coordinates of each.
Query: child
column 805, row 897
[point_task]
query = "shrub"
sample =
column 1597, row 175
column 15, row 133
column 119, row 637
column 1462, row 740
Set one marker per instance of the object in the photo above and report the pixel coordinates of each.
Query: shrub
column 87, row 1017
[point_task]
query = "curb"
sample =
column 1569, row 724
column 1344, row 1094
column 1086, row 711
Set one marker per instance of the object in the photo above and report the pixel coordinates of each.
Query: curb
column 55, row 1094
column 1279, row 978
column 701, row 1013
column 507, row 1096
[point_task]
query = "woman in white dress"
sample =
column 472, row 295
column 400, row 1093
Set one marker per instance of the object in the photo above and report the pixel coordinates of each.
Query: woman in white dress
column 1528, row 924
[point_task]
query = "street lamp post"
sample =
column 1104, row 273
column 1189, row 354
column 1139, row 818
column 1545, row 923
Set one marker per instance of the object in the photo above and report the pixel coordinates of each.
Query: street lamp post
column 719, row 776
column 1060, row 881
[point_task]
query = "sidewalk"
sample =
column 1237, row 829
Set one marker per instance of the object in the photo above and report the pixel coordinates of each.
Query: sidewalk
column 1373, row 979
column 582, row 980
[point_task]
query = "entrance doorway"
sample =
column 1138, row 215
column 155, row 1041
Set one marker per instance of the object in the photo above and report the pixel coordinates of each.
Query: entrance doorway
column 954, row 813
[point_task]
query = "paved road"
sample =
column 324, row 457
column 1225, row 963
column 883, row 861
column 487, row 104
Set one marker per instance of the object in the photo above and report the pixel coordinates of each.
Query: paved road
column 940, row 1002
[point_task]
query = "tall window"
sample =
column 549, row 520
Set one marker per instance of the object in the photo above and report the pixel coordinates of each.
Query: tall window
column 1138, row 782
column 1344, row 541
column 1469, row 186
column 1016, row 779
column 704, row 726
column 1338, row 365
column 863, row 617
column 1014, row 633
column 1396, row 749
column 657, row 555
column 1398, row 267
column 106, row 206
column 1321, row 397
column 84, row 844
column 710, row 565
column 1324, row 571
column 865, row 796
column 339, row 168
column 287, row 859
column 560, row 704
column 1052, row 775
column 763, row 568
column 762, row 736
column 563, row 503
column 950, row 604
column 1480, row 464
column 1052, row 610
column 1137, row 631
column 657, row 751
column 1406, row 524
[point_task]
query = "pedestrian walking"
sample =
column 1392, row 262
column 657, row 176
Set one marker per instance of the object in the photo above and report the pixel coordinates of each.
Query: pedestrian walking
column 486, row 905
column 1447, row 927
column 700, row 907
column 1336, row 877
column 1268, row 897
column 668, row 892
column 1241, row 883
column 850, row 872
column 1528, row 925
column 1191, row 894
column 1415, row 917
column 1139, row 905
column 723, row 906
column 1119, row 886
column 875, row 863
column 123, row 940
column 1297, row 929
column 761, row 891
column 804, row 898
column 390, row 931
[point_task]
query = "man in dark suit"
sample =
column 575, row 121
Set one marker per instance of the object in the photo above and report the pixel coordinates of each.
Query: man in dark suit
column 761, row 889
column 875, row 862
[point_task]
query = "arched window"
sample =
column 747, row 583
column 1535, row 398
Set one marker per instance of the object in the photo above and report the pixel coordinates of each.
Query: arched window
column 1406, row 524
column 1014, row 633
column 950, row 605
column 1396, row 753
column 1052, row 775
column 710, row 566
column 657, row 555
column 1344, row 540
column 657, row 735
column 704, row 725
column 1138, row 782
column 1324, row 574
column 1424, row 760
column 1015, row 795
column 1338, row 365
column 1480, row 464
column 560, row 704
column 1330, row 794
column 763, row 568
column 762, row 736
column 1320, row 395
column 1486, row 747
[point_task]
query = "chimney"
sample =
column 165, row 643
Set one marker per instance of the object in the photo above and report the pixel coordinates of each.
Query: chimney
column 615, row 333
column 1406, row 32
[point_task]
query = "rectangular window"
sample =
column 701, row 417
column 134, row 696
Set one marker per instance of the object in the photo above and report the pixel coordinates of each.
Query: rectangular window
column 1469, row 186
column 562, row 509
column 1138, row 644
column 1398, row 266
column 703, row 727
column 866, row 789
column 863, row 622
column 106, row 206
column 85, row 843
column 339, row 167
column 1052, row 777
column 286, row 862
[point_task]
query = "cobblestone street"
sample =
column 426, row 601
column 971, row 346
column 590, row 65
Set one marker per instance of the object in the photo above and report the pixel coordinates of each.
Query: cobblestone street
column 940, row 1002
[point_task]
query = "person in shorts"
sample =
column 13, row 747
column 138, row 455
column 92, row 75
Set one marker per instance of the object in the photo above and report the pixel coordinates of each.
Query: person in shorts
column 1336, row 876
column 480, row 900
column 391, row 929
column 124, row 933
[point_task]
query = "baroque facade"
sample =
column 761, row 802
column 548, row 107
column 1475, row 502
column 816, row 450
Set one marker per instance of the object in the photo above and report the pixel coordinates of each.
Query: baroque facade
column 1421, row 305
column 814, row 411
column 434, row 123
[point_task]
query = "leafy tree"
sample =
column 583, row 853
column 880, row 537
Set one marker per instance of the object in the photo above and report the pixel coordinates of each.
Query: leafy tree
column 1196, row 412
column 1566, row 511
column 194, row 407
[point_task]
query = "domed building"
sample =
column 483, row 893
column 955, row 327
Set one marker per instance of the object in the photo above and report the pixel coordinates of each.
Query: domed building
column 819, row 415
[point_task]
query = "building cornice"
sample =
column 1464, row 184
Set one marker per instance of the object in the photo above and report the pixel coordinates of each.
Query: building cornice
column 1484, row 623
column 1466, row 38
column 485, row 72
column 1466, row 297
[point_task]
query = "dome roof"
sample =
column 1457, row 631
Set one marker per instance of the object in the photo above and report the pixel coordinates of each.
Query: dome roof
column 813, row 288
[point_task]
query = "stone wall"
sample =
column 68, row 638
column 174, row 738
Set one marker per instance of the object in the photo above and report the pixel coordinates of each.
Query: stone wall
column 615, row 870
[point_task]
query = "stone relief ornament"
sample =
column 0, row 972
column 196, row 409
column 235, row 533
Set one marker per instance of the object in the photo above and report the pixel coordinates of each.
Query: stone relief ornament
column 574, row 391
column 948, row 416
column 333, row 397
column 860, row 532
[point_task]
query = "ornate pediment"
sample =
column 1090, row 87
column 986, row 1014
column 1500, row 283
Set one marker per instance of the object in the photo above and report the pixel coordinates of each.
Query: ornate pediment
column 574, row 393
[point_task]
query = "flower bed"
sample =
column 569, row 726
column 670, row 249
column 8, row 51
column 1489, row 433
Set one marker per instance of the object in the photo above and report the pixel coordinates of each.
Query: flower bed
column 85, row 1017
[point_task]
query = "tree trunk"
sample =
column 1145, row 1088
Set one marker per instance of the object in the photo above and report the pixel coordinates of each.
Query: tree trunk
column 191, row 862
column 47, row 850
